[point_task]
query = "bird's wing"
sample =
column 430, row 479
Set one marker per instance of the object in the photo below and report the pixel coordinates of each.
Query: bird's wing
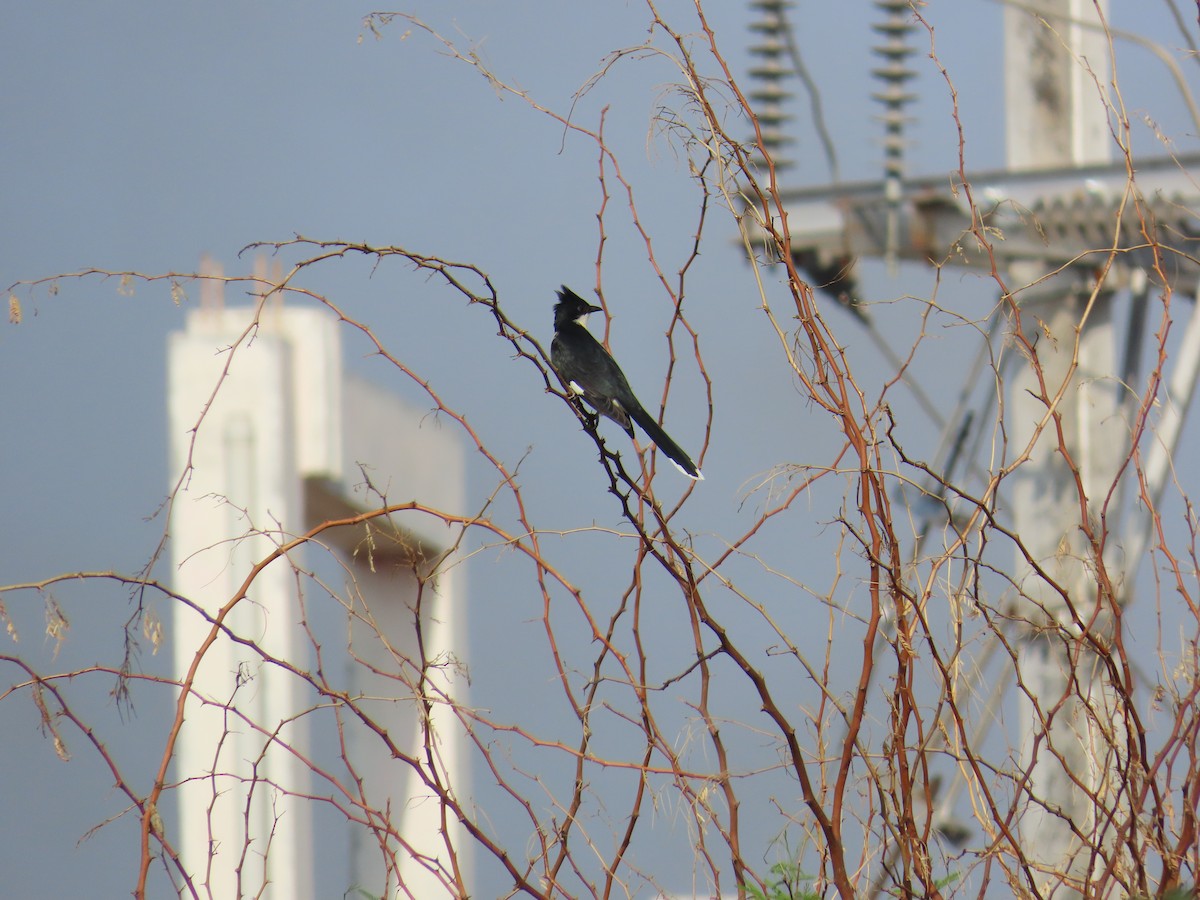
column 593, row 374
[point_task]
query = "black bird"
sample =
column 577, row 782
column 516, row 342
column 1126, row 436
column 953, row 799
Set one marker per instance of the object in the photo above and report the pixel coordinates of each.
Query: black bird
column 591, row 373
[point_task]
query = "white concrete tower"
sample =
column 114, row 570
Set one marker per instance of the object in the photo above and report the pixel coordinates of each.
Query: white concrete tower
column 274, row 439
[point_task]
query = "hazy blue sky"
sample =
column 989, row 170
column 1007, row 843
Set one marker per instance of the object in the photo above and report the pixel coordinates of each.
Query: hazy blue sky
column 140, row 136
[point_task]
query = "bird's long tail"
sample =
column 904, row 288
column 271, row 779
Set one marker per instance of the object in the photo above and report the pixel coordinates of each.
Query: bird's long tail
column 662, row 440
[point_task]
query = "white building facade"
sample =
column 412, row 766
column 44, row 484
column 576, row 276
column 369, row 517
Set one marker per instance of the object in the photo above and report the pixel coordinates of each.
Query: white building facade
column 271, row 439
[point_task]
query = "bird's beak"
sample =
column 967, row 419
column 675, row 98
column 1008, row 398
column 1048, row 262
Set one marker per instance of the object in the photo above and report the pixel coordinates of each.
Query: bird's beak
column 593, row 309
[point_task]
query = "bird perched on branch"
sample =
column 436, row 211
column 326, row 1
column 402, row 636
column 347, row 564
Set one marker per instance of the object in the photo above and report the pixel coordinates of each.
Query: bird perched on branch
column 592, row 374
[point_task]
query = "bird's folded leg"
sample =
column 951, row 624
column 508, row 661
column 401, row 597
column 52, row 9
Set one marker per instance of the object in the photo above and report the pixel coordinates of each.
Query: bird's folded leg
column 591, row 420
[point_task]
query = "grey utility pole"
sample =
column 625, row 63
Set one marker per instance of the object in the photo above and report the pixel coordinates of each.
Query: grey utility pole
column 1055, row 220
column 1064, row 404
